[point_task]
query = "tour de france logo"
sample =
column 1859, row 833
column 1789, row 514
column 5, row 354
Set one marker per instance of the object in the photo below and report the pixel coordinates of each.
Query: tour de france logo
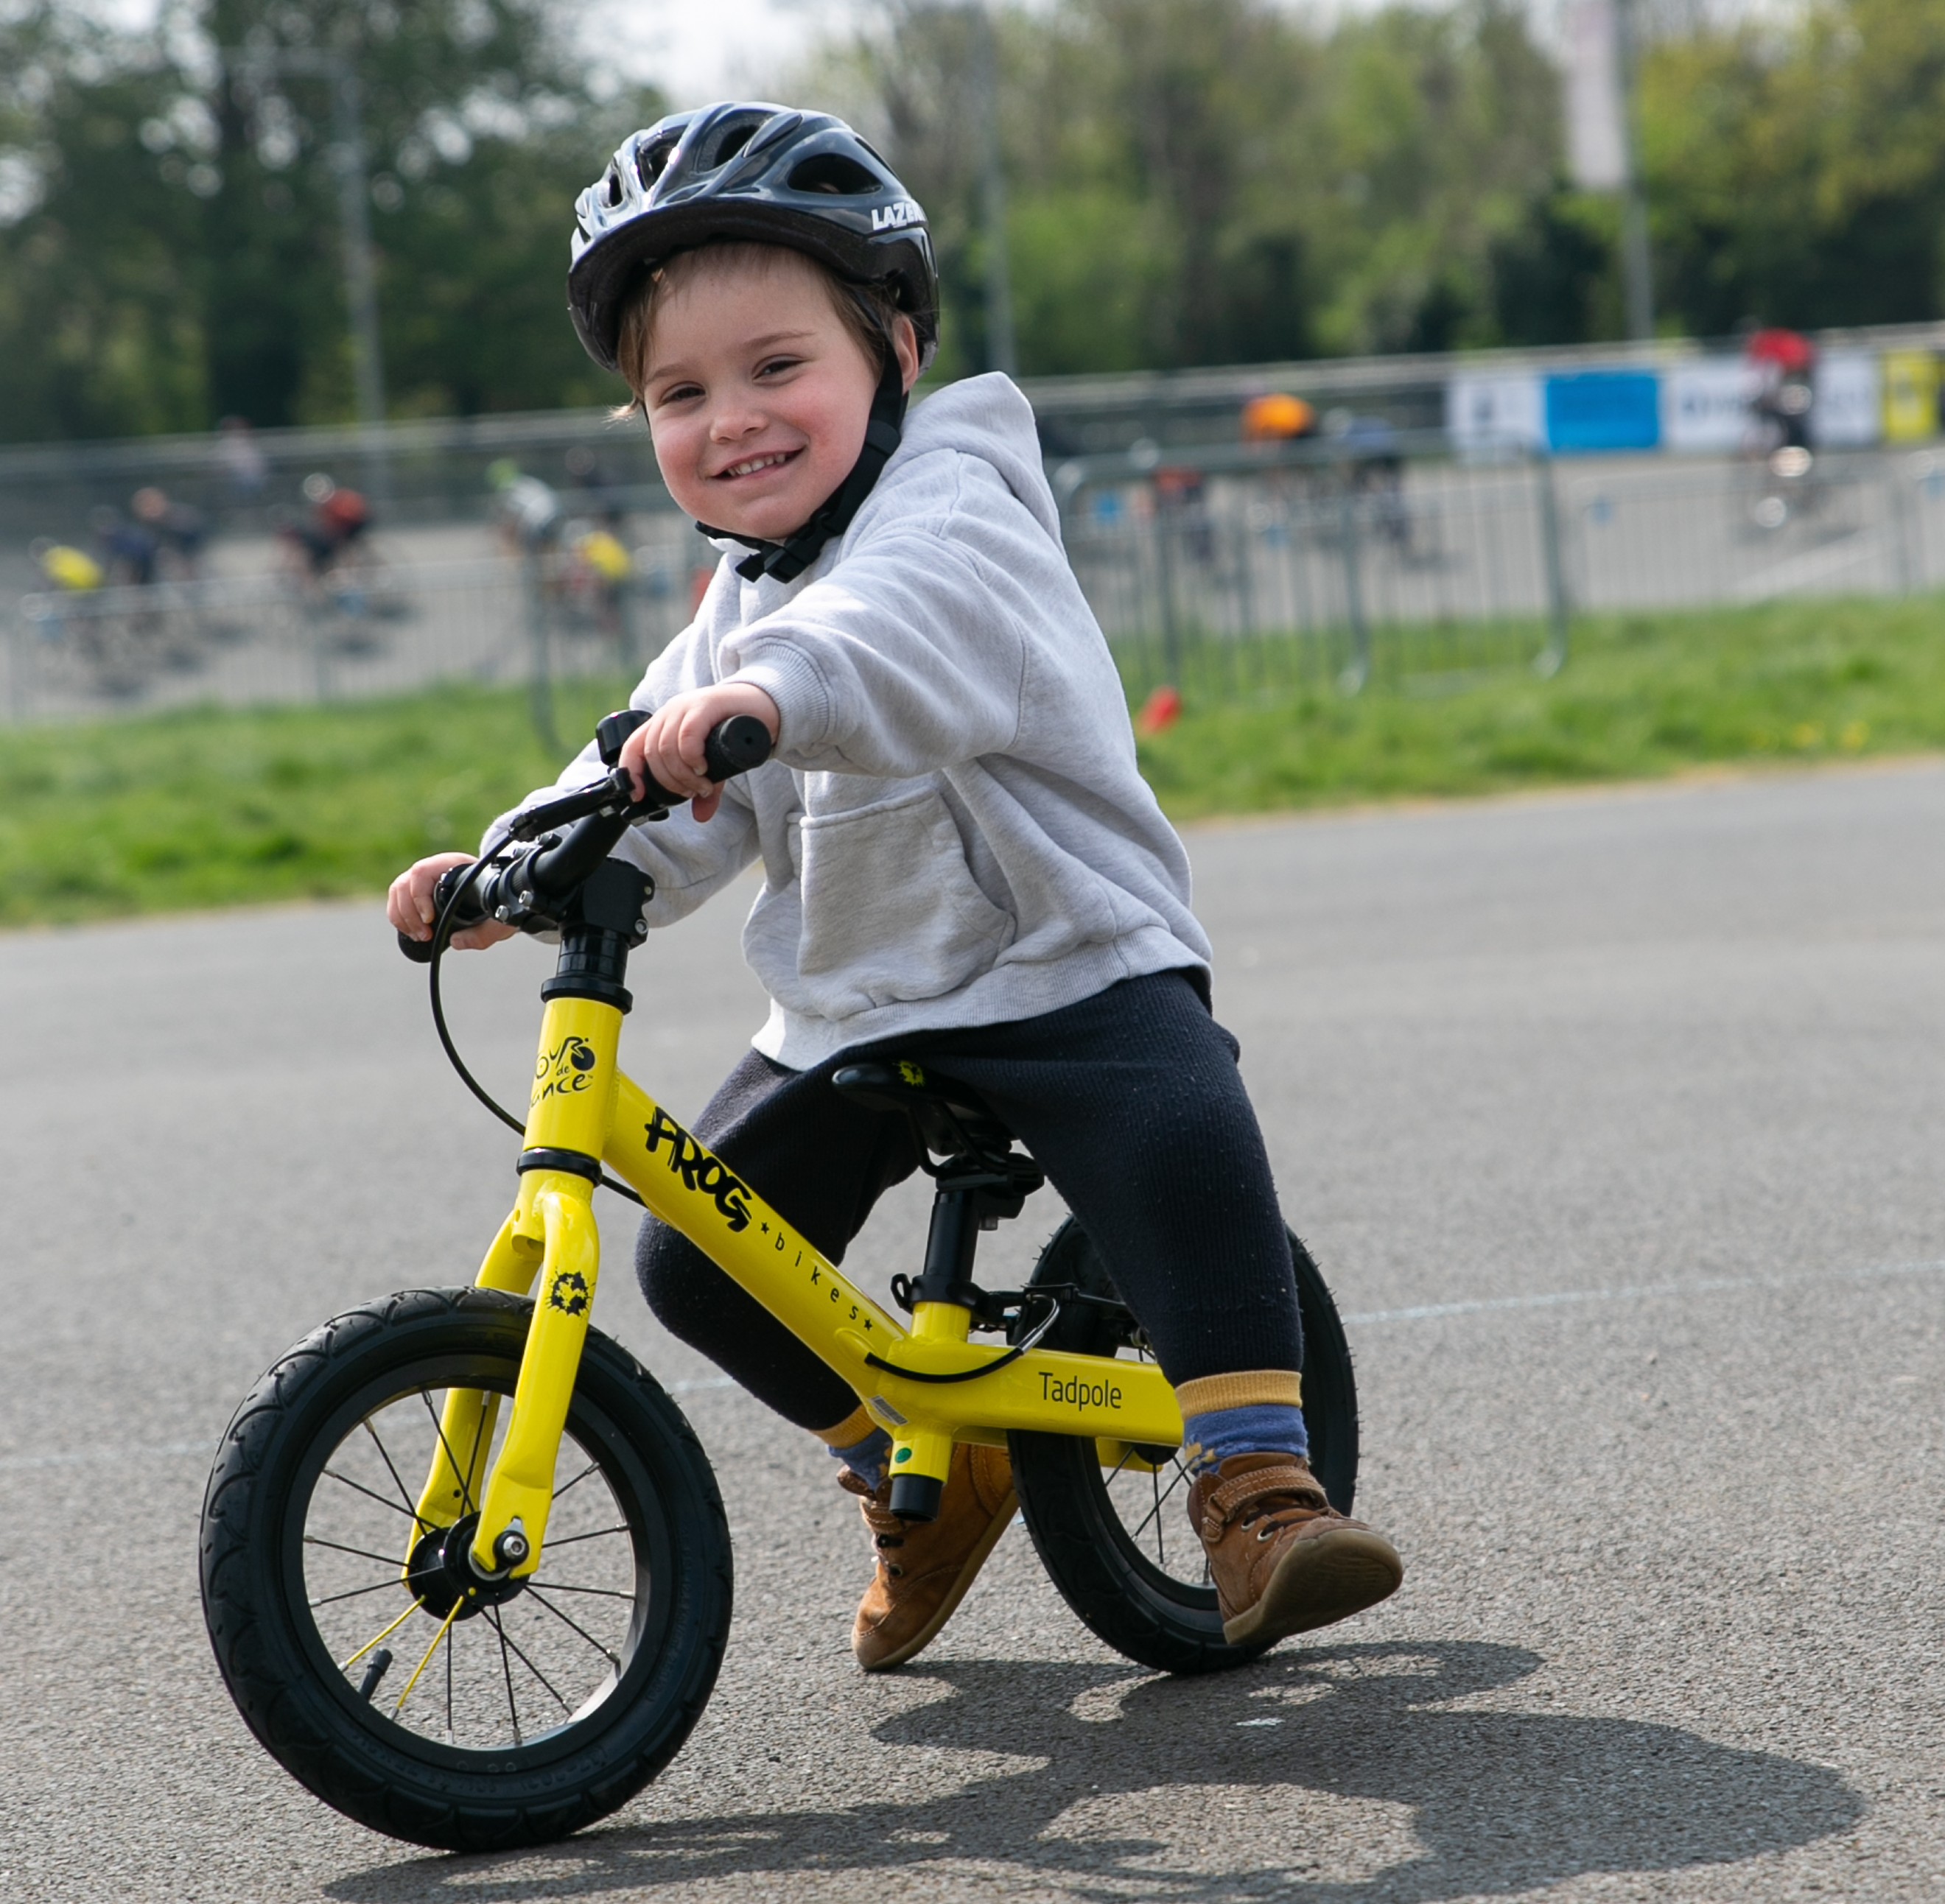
column 568, row 1068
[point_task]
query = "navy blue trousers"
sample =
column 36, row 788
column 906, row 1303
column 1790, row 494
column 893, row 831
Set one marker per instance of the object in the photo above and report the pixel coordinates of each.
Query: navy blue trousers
column 1132, row 1103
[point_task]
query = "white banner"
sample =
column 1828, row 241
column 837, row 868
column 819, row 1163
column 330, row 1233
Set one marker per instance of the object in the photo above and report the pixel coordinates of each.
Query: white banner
column 1705, row 406
column 1597, row 146
column 1848, row 413
column 1487, row 410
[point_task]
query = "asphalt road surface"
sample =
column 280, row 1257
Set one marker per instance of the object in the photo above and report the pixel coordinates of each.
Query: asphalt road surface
column 1614, row 1120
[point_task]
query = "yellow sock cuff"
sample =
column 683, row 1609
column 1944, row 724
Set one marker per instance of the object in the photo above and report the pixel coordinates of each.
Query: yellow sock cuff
column 851, row 1430
column 1247, row 1388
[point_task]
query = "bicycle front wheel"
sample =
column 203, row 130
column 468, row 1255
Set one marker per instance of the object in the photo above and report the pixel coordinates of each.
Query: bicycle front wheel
column 1111, row 1526
column 364, row 1654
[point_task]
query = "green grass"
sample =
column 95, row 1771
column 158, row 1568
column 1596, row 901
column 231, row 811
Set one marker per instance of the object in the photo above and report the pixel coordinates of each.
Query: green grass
column 209, row 807
column 1642, row 697
column 216, row 807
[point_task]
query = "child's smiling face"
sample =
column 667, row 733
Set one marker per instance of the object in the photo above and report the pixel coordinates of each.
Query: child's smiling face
column 757, row 392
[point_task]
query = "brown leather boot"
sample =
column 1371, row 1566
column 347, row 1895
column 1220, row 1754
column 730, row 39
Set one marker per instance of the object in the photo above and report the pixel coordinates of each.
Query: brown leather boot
column 1283, row 1558
column 924, row 1567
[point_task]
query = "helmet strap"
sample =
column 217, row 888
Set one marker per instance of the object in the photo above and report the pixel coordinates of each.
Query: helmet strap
column 787, row 559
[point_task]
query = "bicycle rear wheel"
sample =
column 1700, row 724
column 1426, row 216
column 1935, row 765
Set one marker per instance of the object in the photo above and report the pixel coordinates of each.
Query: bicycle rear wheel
column 344, row 1626
column 1113, row 1534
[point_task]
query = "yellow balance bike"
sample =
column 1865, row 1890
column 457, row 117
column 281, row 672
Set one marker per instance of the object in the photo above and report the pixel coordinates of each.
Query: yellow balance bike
column 465, row 1564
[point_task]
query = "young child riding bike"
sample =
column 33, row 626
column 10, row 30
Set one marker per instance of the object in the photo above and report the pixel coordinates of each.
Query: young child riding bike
column 962, row 867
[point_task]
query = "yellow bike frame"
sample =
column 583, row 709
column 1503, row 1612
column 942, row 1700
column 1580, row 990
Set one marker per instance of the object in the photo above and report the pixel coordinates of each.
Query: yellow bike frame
column 582, row 1107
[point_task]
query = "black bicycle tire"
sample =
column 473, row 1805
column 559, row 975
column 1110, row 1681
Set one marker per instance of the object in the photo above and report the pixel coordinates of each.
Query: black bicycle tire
column 1172, row 1626
column 593, row 1764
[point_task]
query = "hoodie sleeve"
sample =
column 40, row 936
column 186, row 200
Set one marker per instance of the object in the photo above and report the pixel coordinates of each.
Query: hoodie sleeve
column 688, row 860
column 908, row 656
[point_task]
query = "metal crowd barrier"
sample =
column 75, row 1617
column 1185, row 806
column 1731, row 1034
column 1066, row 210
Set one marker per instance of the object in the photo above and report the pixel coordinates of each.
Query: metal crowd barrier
column 369, row 629
column 1229, row 569
column 1373, row 555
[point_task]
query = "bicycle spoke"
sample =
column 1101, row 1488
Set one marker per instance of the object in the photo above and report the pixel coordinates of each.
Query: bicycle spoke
column 527, row 1663
column 384, row 1455
column 593, row 1467
column 506, row 1672
column 449, row 1652
column 377, row 1637
column 465, row 1475
column 542, row 1600
column 1161, row 1501
column 363, row 1554
column 599, row 1533
column 369, row 1494
column 479, row 1429
column 332, row 1599
column 445, row 1627
column 605, row 1593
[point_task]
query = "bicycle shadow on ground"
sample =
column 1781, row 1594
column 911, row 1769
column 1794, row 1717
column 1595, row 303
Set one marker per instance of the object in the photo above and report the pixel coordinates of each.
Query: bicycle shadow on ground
column 1249, row 1783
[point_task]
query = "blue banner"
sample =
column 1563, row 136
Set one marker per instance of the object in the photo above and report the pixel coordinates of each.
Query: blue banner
column 1604, row 410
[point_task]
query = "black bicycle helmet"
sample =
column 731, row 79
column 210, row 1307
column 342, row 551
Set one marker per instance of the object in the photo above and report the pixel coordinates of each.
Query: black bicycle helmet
column 747, row 170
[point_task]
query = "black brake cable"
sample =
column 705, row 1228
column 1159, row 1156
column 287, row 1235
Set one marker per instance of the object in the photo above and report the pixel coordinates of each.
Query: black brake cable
column 441, row 938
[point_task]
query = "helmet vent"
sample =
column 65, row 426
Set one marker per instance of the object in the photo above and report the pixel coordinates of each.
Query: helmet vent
column 613, row 194
column 651, row 162
column 735, row 139
column 831, row 171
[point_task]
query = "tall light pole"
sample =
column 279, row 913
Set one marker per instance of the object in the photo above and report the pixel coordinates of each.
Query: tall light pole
column 999, row 351
column 1637, row 263
column 1603, row 144
column 361, row 281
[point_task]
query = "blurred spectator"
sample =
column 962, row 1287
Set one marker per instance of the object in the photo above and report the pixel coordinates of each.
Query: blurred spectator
column 179, row 529
column 131, row 548
column 603, row 500
column 242, row 460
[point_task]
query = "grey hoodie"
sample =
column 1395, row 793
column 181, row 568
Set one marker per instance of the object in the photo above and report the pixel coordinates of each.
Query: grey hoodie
column 952, row 830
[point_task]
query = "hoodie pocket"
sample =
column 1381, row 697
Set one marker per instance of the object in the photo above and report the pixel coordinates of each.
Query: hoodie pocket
column 891, row 913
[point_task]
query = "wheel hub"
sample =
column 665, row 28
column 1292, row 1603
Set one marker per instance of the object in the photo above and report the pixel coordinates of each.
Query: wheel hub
column 441, row 1573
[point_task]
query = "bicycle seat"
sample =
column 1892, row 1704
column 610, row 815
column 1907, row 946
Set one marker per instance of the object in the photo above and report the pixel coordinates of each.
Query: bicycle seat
column 948, row 1118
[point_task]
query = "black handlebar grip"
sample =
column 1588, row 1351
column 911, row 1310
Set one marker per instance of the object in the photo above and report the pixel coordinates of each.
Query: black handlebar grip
column 419, row 950
column 739, row 745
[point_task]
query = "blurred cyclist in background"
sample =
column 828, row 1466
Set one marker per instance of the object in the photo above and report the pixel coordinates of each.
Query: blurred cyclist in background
column 1782, row 400
column 339, row 521
column 527, row 511
column 1277, row 418
column 1784, row 362
column 69, row 571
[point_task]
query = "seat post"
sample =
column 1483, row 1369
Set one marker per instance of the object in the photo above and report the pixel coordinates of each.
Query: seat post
column 951, row 1241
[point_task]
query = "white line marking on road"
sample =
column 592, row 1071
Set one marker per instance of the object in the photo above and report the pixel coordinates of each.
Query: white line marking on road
column 1643, row 1291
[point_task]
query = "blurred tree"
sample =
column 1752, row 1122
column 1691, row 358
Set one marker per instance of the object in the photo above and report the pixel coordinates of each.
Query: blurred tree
column 1797, row 169
column 170, row 237
column 99, row 242
column 1211, row 181
column 1189, row 181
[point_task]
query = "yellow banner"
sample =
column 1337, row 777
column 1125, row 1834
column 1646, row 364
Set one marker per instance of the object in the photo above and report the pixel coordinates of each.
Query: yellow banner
column 1910, row 396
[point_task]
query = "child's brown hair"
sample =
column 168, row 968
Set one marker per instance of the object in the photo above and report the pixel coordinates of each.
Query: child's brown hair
column 868, row 311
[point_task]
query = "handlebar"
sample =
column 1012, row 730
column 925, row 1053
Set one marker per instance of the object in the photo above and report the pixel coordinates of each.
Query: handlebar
column 548, row 875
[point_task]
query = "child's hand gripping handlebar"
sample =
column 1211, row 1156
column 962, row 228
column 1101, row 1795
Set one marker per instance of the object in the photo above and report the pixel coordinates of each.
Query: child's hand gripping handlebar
column 528, row 888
